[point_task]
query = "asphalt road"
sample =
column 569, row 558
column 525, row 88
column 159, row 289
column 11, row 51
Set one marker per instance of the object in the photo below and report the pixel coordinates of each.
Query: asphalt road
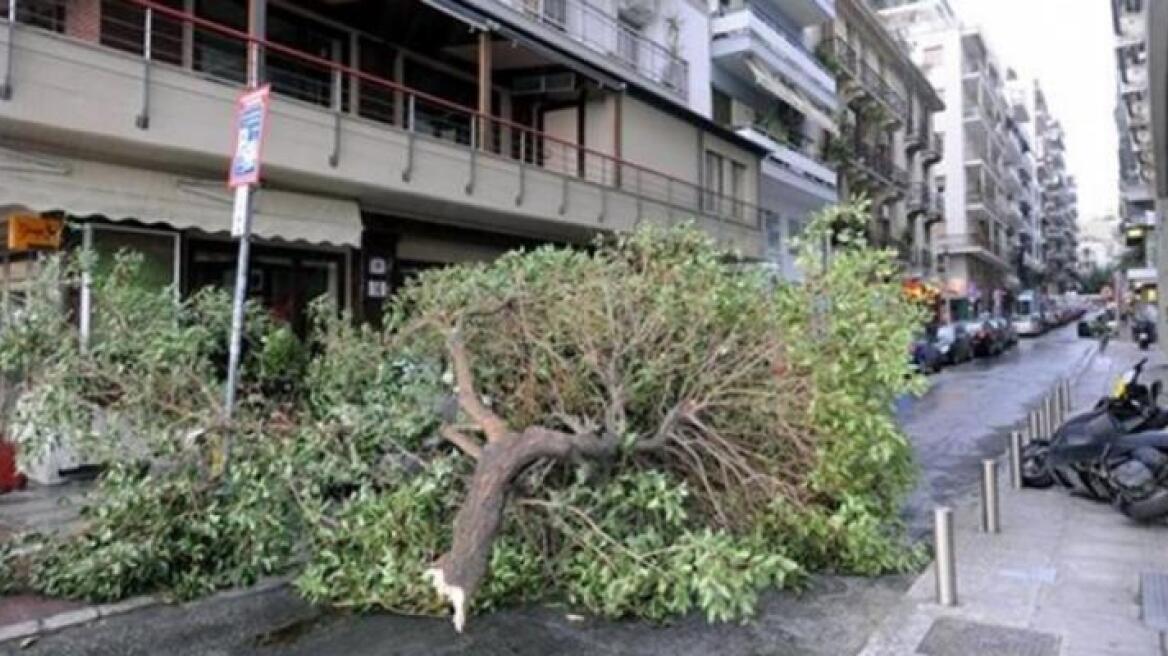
column 969, row 410
column 962, row 419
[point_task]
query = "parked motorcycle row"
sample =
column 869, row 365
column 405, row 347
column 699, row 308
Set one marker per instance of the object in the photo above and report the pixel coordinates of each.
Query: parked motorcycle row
column 1117, row 452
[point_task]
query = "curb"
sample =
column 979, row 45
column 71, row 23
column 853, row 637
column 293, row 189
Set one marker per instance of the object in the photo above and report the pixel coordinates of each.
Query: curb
column 71, row 618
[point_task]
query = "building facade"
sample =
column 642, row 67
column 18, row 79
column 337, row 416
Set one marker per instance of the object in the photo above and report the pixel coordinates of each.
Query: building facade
column 401, row 135
column 1137, row 207
column 993, row 242
column 885, row 146
column 1060, row 200
column 769, row 86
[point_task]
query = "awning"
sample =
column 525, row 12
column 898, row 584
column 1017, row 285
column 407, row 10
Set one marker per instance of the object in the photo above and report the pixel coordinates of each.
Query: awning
column 84, row 188
column 783, row 90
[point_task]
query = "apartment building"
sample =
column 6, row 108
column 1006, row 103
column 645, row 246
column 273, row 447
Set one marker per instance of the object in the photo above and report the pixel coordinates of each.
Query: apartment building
column 1028, row 261
column 982, row 169
column 1137, row 210
column 769, row 86
column 401, row 135
column 885, row 146
column 1060, row 201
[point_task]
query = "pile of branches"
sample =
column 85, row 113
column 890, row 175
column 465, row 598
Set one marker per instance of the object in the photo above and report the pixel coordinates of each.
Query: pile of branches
column 640, row 429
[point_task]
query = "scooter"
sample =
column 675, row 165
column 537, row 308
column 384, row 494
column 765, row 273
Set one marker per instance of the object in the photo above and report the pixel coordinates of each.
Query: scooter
column 1115, row 452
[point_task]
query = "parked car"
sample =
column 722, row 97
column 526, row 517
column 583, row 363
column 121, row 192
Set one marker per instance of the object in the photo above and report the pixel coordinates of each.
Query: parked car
column 1029, row 325
column 925, row 356
column 1006, row 332
column 987, row 337
column 953, row 343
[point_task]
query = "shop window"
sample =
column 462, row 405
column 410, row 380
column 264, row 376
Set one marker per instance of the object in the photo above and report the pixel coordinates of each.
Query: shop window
column 285, row 281
column 156, row 249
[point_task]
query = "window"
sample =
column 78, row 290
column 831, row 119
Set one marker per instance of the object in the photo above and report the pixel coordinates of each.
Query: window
column 627, row 42
column 738, row 187
column 723, row 109
column 714, row 181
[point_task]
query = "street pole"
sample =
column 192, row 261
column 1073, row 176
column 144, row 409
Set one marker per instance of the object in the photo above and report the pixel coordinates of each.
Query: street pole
column 242, row 217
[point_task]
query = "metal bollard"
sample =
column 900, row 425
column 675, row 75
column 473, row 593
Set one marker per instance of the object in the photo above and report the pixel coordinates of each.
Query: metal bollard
column 1016, row 459
column 1067, row 404
column 1032, row 426
column 946, row 568
column 1042, row 422
column 989, row 497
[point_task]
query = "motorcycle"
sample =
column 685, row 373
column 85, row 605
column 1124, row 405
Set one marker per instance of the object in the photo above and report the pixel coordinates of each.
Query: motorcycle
column 1144, row 333
column 1116, row 452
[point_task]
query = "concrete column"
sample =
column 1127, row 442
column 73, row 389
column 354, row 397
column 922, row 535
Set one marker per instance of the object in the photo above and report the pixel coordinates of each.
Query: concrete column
column 484, row 60
column 188, row 36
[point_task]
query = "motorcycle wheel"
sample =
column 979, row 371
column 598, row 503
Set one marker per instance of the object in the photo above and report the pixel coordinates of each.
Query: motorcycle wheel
column 1139, row 484
column 1035, row 472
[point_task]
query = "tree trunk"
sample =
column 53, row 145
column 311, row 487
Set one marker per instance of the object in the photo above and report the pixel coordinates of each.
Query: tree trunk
column 458, row 573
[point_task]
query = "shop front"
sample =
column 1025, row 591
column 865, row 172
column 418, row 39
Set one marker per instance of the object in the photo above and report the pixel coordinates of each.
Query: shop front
column 304, row 245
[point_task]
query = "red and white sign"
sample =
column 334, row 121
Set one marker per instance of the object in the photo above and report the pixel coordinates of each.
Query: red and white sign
column 251, row 116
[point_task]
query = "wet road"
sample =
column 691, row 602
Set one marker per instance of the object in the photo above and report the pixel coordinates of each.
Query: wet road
column 968, row 412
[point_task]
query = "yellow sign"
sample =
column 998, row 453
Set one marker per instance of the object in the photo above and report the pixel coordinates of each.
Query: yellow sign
column 34, row 232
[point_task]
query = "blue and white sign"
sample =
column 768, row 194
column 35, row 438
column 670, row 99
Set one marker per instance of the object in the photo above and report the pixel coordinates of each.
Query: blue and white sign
column 251, row 112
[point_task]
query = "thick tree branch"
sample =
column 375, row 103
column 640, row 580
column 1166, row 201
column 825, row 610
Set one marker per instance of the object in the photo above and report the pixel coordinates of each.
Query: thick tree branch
column 491, row 424
column 464, row 442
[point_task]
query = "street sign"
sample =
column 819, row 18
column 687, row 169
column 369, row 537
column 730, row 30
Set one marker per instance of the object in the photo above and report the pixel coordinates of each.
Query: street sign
column 251, row 113
column 34, row 232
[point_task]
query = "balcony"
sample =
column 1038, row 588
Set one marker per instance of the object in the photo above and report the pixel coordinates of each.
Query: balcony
column 866, row 79
column 795, row 162
column 603, row 36
column 744, row 31
column 977, row 244
column 877, row 165
column 395, row 148
column 934, row 150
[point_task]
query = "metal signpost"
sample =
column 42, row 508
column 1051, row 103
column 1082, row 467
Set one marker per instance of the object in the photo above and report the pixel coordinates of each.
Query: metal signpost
column 250, row 116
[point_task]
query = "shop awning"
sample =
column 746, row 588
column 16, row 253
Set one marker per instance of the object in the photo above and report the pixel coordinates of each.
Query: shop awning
column 781, row 89
column 84, row 188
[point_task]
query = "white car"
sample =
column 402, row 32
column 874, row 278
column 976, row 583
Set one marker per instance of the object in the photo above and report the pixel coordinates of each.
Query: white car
column 1029, row 325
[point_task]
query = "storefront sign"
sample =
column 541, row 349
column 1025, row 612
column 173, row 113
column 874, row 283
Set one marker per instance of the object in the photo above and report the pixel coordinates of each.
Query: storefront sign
column 34, row 232
column 251, row 113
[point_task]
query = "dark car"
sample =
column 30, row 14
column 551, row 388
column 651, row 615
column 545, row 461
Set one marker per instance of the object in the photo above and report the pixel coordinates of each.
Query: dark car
column 987, row 337
column 1006, row 333
column 925, row 357
column 953, row 343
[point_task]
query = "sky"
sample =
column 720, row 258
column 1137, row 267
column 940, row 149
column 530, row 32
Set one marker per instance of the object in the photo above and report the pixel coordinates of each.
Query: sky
column 1068, row 45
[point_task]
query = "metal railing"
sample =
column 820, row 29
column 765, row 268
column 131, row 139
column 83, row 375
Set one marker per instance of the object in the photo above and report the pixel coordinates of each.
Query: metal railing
column 869, row 78
column 163, row 36
column 879, row 161
column 601, row 32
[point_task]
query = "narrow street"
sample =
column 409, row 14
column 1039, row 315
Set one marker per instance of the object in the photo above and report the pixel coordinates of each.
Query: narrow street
column 968, row 411
column 958, row 422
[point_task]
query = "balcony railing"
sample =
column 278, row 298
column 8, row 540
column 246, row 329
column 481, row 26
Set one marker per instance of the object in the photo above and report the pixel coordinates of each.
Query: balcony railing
column 879, row 161
column 164, row 36
column 852, row 65
column 587, row 24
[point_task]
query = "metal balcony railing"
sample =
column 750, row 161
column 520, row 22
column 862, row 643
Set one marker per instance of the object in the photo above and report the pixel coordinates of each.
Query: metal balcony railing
column 879, row 162
column 165, row 36
column 589, row 25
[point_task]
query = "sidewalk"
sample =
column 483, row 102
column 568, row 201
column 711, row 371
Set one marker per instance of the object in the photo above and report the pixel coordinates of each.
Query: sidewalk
column 1062, row 578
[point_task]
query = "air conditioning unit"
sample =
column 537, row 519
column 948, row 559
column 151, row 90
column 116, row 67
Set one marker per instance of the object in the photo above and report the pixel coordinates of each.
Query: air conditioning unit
column 637, row 12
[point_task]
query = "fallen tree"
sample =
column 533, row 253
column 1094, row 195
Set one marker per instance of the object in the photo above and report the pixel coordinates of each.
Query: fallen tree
column 643, row 428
